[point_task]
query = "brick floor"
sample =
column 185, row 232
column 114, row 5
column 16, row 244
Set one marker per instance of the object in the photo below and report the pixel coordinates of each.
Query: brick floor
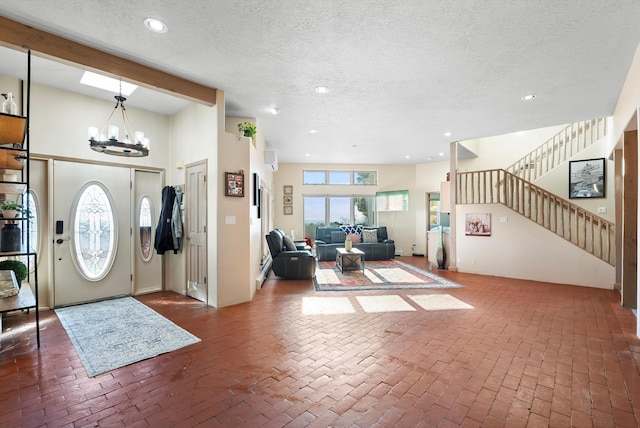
column 527, row 354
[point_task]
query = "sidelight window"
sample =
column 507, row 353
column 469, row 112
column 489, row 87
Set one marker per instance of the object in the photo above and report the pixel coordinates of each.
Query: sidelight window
column 145, row 221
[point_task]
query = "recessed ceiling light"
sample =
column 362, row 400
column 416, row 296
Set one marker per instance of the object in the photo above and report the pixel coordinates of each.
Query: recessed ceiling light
column 155, row 25
column 407, row 156
column 529, row 97
column 312, row 131
column 447, row 134
column 307, row 154
column 322, row 89
column 274, row 110
column 355, row 146
column 441, row 154
column 107, row 83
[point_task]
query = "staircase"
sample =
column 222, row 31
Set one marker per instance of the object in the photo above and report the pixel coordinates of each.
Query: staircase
column 584, row 229
column 559, row 148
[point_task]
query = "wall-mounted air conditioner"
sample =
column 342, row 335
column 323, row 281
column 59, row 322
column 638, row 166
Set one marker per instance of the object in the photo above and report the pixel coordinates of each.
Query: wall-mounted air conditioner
column 271, row 160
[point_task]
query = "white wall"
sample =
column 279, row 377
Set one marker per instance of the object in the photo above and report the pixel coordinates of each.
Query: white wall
column 557, row 182
column 501, row 151
column 194, row 138
column 59, row 121
column 520, row 248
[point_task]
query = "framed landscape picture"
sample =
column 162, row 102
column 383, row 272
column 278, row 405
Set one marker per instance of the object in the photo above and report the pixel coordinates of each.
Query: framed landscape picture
column 587, row 178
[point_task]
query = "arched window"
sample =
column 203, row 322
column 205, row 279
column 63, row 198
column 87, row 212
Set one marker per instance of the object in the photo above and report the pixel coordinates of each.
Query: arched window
column 94, row 231
column 145, row 222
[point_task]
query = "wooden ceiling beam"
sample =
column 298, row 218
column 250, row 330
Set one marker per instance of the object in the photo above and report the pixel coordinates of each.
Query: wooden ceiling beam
column 58, row 48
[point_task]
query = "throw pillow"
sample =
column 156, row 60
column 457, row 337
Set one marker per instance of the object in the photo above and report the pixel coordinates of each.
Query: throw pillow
column 289, row 244
column 355, row 238
column 351, row 229
column 370, row 235
column 337, row 236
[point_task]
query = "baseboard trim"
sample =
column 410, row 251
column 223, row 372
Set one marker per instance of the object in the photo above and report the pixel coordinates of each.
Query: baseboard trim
column 264, row 271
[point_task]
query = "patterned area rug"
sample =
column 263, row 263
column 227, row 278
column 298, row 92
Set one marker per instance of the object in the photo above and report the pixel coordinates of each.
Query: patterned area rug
column 115, row 333
column 378, row 275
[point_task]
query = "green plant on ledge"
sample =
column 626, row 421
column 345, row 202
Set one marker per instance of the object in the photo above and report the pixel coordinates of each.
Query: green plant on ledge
column 247, row 129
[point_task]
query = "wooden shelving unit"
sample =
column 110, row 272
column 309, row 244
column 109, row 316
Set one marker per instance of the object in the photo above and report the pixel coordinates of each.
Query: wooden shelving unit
column 14, row 156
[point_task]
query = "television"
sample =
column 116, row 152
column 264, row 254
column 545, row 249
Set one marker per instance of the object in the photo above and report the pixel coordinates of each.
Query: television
column 393, row 200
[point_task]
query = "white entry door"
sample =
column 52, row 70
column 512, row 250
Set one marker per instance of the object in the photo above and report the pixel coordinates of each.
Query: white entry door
column 196, row 231
column 92, row 232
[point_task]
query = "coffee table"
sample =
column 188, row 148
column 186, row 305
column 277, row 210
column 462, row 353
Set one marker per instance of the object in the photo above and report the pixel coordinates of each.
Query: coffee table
column 349, row 260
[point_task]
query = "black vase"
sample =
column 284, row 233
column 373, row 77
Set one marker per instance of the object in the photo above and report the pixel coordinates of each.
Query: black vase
column 10, row 237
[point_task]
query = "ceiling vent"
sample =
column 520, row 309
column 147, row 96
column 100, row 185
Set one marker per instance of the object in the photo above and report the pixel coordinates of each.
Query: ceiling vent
column 271, row 160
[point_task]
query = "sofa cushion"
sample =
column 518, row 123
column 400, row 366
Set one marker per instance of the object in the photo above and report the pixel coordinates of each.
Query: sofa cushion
column 355, row 238
column 370, row 235
column 289, row 244
column 337, row 236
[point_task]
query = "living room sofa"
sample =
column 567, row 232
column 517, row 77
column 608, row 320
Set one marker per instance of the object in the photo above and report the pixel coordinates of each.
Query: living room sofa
column 329, row 238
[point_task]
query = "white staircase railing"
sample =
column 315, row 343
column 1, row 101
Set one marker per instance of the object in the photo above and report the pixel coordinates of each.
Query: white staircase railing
column 558, row 149
column 586, row 230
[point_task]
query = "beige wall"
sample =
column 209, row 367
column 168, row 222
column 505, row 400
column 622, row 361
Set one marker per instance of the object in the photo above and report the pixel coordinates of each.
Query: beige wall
column 400, row 225
column 626, row 117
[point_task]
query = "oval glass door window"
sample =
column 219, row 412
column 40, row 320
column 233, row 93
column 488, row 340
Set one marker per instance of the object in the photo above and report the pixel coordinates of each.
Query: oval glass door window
column 145, row 221
column 94, row 232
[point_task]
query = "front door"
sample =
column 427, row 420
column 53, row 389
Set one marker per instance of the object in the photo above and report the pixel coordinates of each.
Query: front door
column 196, row 231
column 92, row 232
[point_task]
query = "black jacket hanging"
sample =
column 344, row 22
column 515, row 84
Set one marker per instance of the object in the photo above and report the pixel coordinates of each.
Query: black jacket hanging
column 164, row 238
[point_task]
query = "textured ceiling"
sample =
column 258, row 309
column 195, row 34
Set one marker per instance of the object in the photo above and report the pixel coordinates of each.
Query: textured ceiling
column 400, row 73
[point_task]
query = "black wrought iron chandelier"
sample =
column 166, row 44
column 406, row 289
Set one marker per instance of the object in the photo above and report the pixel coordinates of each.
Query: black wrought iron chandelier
column 134, row 143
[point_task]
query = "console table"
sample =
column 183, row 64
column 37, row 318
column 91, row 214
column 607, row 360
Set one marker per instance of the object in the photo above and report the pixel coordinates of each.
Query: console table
column 349, row 260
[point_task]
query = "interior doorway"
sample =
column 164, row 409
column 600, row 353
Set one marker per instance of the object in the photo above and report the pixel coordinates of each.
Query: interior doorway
column 435, row 219
column 196, row 231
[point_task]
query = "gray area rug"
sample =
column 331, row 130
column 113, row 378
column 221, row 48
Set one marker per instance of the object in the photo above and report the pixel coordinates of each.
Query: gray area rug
column 115, row 333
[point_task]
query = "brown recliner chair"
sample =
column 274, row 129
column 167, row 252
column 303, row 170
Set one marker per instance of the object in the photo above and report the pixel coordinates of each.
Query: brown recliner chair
column 288, row 261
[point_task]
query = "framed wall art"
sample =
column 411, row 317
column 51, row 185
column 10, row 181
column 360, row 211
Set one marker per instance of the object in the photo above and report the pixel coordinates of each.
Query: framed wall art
column 477, row 224
column 287, row 200
column 287, row 190
column 256, row 189
column 587, row 178
column 288, row 209
column 234, row 184
column 259, row 206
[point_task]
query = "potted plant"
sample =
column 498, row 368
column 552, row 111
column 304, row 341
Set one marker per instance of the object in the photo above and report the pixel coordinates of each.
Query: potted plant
column 19, row 269
column 13, row 209
column 247, row 129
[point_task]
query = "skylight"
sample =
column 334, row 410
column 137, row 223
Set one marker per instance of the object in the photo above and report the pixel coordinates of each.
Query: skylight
column 107, row 83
